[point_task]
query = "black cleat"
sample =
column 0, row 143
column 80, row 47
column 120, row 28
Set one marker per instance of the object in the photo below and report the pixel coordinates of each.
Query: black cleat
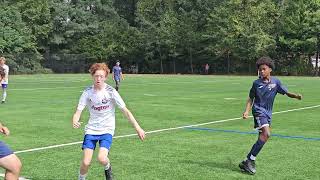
column 2, row 102
column 248, row 166
column 108, row 173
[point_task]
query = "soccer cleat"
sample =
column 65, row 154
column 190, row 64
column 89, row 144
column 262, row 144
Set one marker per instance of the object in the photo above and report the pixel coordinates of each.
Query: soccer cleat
column 248, row 166
column 2, row 102
column 108, row 173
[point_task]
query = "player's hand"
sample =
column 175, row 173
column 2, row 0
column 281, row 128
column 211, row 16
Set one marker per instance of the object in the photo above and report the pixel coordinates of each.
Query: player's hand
column 245, row 115
column 299, row 96
column 4, row 130
column 76, row 124
column 141, row 133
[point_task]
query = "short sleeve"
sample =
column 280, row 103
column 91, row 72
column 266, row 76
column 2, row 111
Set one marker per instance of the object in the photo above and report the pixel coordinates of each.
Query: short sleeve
column 118, row 100
column 252, row 92
column 281, row 88
column 83, row 101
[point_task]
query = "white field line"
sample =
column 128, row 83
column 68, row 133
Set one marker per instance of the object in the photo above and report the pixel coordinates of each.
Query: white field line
column 229, row 98
column 161, row 130
column 32, row 89
column 149, row 94
column 20, row 178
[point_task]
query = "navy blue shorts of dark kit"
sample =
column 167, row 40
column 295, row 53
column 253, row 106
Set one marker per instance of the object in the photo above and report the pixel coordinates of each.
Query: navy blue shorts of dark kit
column 90, row 141
column 4, row 86
column 4, row 150
column 261, row 121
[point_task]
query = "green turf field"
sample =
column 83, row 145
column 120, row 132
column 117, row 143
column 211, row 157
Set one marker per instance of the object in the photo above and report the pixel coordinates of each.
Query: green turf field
column 39, row 109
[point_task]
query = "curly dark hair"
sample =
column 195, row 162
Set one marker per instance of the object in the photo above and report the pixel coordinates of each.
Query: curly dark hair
column 265, row 60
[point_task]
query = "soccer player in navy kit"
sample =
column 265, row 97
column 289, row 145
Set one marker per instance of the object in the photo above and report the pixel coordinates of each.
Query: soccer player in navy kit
column 117, row 75
column 261, row 98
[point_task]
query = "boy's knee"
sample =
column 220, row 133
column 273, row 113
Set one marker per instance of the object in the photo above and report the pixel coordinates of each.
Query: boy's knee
column 16, row 167
column 86, row 163
column 103, row 160
column 265, row 136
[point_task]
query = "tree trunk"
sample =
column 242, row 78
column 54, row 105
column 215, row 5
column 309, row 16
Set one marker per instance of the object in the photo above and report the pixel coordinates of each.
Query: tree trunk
column 161, row 65
column 228, row 60
column 174, row 66
column 190, row 58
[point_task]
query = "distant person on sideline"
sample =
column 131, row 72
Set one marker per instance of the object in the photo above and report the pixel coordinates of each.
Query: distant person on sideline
column 117, row 75
column 5, row 79
column 206, row 68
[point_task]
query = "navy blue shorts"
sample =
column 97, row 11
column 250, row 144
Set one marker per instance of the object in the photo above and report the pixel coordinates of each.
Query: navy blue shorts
column 4, row 150
column 261, row 121
column 90, row 141
column 4, row 86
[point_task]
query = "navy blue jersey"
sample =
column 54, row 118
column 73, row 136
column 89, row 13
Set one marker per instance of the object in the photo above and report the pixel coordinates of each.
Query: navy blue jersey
column 116, row 72
column 263, row 94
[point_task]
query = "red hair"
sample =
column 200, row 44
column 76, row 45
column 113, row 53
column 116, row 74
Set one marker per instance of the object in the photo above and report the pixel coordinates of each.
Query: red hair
column 99, row 66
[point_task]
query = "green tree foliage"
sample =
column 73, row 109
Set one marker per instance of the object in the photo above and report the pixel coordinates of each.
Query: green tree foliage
column 160, row 36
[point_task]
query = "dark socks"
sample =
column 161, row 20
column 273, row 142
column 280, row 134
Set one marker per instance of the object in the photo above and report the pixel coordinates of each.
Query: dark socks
column 256, row 148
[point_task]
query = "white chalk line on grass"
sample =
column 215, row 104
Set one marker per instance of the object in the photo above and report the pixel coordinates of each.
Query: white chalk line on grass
column 162, row 130
column 32, row 89
column 20, row 178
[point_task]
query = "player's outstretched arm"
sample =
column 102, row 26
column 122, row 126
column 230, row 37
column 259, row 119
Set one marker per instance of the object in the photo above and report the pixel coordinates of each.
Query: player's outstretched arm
column 4, row 130
column 76, row 118
column 296, row 96
column 122, row 77
column 134, row 123
column 245, row 114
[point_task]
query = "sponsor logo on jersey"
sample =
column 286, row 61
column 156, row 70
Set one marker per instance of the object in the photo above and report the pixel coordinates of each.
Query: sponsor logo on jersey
column 271, row 86
column 100, row 108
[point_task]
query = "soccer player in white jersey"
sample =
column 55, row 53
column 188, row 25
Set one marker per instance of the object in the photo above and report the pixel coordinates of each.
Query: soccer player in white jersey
column 4, row 81
column 8, row 160
column 101, row 100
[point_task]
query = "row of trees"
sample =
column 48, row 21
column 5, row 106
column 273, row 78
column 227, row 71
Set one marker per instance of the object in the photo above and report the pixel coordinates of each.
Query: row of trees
column 160, row 36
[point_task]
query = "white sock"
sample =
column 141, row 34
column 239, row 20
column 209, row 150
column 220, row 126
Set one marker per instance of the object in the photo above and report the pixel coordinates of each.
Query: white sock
column 4, row 95
column 82, row 177
column 253, row 158
column 107, row 166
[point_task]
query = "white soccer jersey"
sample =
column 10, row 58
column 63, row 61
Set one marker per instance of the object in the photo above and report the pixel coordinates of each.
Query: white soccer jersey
column 6, row 71
column 101, row 107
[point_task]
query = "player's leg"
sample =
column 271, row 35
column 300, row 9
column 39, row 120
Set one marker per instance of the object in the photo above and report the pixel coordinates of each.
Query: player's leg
column 88, row 146
column 262, row 124
column 117, row 84
column 10, row 162
column 4, row 92
column 105, row 145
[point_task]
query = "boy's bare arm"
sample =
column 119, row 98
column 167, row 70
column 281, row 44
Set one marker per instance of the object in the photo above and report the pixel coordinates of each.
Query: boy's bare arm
column 296, row 96
column 134, row 123
column 76, row 118
column 245, row 114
